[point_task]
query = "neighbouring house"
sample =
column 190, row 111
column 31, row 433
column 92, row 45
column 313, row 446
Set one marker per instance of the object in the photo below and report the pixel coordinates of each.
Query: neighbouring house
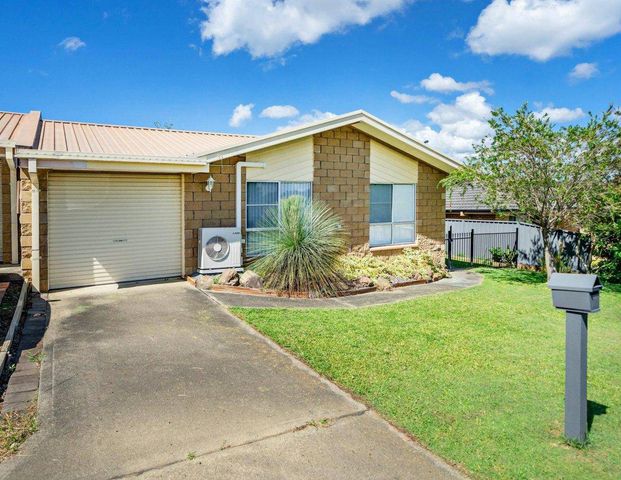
column 468, row 205
column 88, row 204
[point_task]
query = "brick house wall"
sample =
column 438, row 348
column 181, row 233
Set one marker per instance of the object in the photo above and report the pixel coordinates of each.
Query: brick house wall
column 6, row 212
column 341, row 178
column 209, row 209
column 25, row 230
column 430, row 207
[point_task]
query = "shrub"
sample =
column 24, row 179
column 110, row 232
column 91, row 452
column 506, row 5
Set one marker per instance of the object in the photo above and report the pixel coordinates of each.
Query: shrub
column 302, row 249
column 411, row 264
column 503, row 255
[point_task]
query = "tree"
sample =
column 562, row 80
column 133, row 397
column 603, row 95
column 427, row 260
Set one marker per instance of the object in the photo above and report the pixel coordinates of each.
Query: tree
column 554, row 177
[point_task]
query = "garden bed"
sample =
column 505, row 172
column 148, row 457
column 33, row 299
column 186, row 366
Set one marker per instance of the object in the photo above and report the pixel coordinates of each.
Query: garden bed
column 353, row 274
column 8, row 303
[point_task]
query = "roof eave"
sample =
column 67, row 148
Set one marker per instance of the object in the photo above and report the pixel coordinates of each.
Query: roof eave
column 359, row 119
column 106, row 157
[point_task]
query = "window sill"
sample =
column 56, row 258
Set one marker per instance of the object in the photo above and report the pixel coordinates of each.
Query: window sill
column 388, row 248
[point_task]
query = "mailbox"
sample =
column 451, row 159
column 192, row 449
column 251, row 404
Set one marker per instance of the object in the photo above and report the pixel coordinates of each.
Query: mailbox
column 575, row 292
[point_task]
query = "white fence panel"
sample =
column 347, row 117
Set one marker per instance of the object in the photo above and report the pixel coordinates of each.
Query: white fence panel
column 530, row 244
column 572, row 248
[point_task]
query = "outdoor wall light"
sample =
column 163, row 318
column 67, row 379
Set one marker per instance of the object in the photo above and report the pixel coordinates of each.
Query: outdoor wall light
column 210, row 183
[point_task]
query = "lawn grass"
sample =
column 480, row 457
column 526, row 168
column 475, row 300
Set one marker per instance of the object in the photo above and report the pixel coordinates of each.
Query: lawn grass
column 475, row 375
column 15, row 428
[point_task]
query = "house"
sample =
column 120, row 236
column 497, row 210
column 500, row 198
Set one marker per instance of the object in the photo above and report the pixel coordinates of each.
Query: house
column 468, row 205
column 88, row 204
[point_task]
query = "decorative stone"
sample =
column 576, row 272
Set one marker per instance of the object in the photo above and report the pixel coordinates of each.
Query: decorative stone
column 383, row 284
column 204, row 282
column 229, row 277
column 250, row 279
column 365, row 282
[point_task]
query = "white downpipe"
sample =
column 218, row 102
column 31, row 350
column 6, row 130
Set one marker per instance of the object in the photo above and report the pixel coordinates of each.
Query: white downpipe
column 34, row 179
column 238, row 188
column 13, row 188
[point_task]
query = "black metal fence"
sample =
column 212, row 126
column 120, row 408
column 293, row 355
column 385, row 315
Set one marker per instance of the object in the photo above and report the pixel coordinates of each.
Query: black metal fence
column 499, row 249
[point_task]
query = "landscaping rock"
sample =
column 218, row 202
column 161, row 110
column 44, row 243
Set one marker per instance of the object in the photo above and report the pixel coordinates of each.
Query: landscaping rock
column 250, row 279
column 229, row 277
column 365, row 282
column 383, row 284
column 204, row 282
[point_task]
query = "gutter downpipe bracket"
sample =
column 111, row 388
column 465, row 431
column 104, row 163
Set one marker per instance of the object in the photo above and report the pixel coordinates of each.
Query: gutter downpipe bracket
column 34, row 179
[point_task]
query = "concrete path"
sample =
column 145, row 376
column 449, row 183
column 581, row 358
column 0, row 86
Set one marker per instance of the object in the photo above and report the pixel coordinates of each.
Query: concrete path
column 459, row 280
column 157, row 381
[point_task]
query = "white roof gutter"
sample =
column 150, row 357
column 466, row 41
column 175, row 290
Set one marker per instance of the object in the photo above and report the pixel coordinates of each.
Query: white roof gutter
column 106, row 157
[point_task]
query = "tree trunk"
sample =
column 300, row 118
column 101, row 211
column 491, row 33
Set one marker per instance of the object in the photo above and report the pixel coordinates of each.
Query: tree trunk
column 549, row 258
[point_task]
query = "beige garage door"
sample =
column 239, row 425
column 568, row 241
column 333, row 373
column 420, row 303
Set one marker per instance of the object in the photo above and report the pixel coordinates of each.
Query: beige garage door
column 109, row 228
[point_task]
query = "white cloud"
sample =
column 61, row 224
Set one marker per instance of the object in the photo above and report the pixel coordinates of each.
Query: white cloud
column 71, row 44
column 439, row 83
column 584, row 71
column 267, row 28
column 459, row 125
column 307, row 118
column 543, row 29
column 561, row 115
column 241, row 115
column 280, row 111
column 407, row 98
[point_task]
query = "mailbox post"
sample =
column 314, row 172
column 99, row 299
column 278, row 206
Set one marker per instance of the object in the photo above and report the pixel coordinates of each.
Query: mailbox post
column 578, row 295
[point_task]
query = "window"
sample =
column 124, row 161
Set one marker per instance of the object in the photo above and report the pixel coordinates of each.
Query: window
column 263, row 197
column 393, row 214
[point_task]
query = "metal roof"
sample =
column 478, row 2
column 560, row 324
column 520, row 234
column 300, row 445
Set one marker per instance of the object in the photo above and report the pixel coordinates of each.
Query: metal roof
column 19, row 129
column 64, row 136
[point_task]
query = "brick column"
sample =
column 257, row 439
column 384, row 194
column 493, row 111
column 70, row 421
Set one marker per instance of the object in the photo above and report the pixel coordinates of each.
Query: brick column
column 430, row 209
column 6, row 212
column 341, row 178
column 25, row 226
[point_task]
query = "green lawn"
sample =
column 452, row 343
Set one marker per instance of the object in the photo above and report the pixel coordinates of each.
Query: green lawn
column 476, row 375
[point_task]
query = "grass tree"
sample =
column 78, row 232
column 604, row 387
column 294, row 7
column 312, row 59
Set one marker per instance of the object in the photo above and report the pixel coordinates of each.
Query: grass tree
column 301, row 248
column 552, row 176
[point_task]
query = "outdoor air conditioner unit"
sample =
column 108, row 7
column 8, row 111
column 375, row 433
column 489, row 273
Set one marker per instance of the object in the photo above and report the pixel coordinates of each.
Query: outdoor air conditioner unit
column 220, row 249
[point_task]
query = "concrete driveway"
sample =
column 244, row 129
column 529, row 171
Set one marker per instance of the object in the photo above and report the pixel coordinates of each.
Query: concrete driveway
column 138, row 380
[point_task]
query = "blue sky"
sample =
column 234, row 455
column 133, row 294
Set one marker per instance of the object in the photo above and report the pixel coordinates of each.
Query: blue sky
column 191, row 63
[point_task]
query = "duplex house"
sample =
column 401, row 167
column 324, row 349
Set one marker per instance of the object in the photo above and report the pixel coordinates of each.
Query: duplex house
column 89, row 204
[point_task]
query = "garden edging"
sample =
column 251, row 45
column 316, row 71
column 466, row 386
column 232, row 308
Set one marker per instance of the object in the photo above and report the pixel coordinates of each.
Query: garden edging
column 458, row 281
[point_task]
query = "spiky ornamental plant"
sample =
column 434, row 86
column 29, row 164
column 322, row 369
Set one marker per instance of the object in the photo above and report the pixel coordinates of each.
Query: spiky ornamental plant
column 302, row 248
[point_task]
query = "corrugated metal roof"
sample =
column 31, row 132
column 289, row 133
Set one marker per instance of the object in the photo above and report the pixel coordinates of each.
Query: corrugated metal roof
column 64, row 136
column 468, row 201
column 19, row 128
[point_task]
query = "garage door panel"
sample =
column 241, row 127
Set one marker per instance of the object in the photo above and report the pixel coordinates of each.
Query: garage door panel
column 109, row 228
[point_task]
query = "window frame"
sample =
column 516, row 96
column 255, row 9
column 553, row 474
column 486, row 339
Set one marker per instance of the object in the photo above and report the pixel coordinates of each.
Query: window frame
column 392, row 223
column 263, row 229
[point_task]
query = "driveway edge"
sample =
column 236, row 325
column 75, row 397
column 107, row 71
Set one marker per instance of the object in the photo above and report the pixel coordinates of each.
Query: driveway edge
column 435, row 459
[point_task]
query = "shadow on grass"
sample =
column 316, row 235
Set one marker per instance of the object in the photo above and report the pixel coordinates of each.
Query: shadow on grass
column 594, row 409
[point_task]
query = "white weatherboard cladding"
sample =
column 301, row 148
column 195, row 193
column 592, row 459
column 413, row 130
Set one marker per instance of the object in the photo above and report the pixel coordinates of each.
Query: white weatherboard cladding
column 391, row 166
column 109, row 228
column 290, row 162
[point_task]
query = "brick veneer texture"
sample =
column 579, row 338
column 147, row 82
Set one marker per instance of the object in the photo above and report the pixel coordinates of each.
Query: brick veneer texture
column 209, row 209
column 25, row 220
column 341, row 178
column 6, row 213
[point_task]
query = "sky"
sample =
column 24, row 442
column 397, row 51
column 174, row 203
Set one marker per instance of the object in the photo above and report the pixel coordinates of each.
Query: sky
column 434, row 68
